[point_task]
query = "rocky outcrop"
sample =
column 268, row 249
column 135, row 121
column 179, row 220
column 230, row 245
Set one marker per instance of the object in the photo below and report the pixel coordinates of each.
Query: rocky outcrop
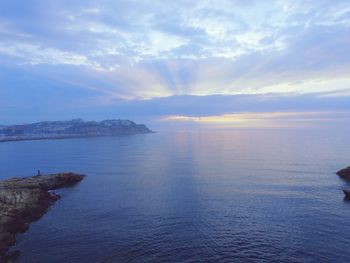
column 344, row 173
column 23, row 200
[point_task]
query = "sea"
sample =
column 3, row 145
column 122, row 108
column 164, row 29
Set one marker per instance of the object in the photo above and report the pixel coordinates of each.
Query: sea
column 245, row 195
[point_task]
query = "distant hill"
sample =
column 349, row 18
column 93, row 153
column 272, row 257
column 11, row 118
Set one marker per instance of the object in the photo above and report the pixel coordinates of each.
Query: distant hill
column 70, row 129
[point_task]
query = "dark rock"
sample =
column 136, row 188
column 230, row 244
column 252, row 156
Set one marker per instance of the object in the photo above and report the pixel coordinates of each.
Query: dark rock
column 344, row 173
column 23, row 200
column 44, row 182
column 347, row 193
column 10, row 257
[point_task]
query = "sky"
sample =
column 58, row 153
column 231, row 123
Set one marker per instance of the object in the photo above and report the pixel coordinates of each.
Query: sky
column 247, row 63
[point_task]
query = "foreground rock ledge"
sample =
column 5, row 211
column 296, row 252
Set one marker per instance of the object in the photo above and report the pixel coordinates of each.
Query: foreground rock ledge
column 23, row 200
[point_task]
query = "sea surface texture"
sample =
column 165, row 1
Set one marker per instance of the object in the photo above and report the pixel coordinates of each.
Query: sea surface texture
column 210, row 196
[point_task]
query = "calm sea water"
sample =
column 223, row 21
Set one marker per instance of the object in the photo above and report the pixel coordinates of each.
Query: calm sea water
column 241, row 196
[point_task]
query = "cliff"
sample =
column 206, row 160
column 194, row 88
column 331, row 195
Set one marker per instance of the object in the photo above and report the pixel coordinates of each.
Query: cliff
column 23, row 200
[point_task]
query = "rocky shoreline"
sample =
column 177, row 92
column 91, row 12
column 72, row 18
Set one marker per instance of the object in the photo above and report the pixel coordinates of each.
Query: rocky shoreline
column 24, row 200
column 345, row 175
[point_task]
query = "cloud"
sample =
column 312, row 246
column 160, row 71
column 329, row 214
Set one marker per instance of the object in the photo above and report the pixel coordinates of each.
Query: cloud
column 147, row 29
column 214, row 105
column 137, row 52
column 32, row 54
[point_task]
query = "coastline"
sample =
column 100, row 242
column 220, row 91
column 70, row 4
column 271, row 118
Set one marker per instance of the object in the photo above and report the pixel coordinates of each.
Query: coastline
column 24, row 200
column 40, row 138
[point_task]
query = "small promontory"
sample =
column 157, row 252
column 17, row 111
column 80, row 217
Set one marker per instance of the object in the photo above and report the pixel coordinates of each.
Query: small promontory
column 23, row 200
column 344, row 173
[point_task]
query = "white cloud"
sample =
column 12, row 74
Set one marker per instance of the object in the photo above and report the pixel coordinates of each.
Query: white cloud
column 145, row 49
column 157, row 42
column 35, row 55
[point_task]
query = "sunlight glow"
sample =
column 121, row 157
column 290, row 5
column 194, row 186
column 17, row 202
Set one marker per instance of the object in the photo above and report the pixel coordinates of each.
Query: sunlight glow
column 263, row 119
